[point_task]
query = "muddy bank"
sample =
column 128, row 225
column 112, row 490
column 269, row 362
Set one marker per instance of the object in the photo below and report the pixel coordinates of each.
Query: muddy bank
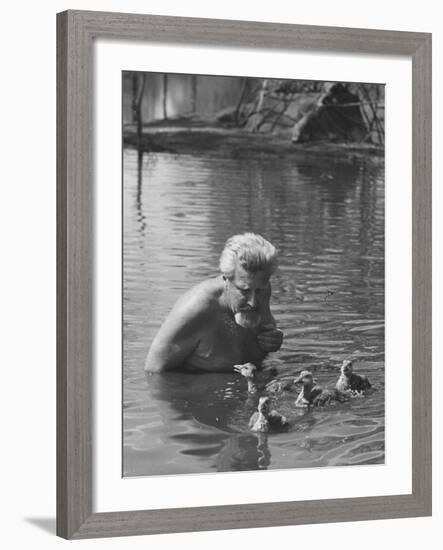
column 234, row 142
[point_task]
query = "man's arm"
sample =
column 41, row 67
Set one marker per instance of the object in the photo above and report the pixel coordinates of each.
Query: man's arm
column 179, row 334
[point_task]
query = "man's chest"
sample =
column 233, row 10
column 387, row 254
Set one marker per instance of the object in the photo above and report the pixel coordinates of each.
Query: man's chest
column 225, row 340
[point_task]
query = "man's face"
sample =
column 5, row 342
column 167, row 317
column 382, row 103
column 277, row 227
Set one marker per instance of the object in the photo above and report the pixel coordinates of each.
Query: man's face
column 247, row 293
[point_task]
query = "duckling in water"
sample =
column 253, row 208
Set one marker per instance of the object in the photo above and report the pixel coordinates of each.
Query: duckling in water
column 312, row 394
column 248, row 370
column 264, row 420
column 349, row 381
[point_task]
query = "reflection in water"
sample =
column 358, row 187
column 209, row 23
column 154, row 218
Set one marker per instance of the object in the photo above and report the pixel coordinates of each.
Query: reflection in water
column 140, row 215
column 245, row 452
column 327, row 220
column 219, row 401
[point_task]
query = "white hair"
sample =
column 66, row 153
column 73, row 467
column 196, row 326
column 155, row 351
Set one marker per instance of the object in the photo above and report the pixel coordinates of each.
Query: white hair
column 251, row 251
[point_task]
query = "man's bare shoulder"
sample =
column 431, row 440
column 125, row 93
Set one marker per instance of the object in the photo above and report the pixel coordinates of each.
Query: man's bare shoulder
column 199, row 300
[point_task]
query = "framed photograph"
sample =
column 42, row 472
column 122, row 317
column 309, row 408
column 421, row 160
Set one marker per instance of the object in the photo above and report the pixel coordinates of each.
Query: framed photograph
column 244, row 274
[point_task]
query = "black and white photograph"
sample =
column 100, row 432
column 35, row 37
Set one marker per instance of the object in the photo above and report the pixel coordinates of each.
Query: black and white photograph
column 253, row 274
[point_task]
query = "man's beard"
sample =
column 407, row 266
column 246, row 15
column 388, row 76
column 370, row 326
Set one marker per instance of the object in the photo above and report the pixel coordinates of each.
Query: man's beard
column 247, row 319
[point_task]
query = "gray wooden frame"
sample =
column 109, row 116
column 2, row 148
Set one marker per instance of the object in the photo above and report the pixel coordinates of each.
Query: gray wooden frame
column 76, row 31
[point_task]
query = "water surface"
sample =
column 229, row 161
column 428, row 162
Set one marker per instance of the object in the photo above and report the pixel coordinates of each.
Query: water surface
column 326, row 217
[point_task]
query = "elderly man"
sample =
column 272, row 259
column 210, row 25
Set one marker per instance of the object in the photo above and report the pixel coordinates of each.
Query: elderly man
column 222, row 321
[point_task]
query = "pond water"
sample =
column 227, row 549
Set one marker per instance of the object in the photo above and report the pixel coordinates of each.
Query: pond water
column 326, row 217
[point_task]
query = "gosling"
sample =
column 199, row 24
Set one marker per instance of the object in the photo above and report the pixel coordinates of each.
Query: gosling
column 313, row 395
column 264, row 420
column 248, row 370
column 351, row 382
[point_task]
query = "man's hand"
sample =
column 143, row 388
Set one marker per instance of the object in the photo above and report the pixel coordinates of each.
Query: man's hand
column 270, row 338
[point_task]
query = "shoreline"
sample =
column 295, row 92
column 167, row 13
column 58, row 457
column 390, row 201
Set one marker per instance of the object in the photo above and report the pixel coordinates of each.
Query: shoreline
column 235, row 142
